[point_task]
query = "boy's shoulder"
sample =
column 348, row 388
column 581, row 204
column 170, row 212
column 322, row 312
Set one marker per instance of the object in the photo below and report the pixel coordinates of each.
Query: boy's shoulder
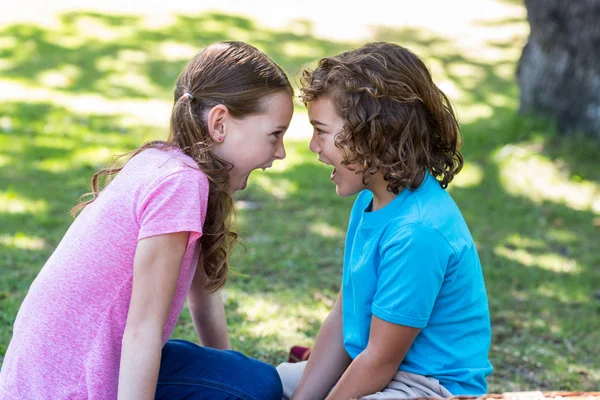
column 428, row 213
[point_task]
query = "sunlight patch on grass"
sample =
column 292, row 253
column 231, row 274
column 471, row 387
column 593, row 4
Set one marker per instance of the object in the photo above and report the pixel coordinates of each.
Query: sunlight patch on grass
column 54, row 142
column 494, row 54
column 469, row 74
column 68, row 42
column 21, row 241
column 280, row 188
column 8, row 42
column 13, row 203
column 257, row 308
column 53, row 165
column 542, row 323
column 563, row 295
column 176, row 51
column 147, row 112
column 451, row 90
column 505, row 71
column 474, row 112
column 518, row 240
column 293, row 157
column 96, row 156
column 266, row 315
column 525, row 172
column 4, row 160
column 239, row 34
column 92, row 155
column 300, row 128
column 547, row 261
column 127, row 57
column 561, row 235
column 213, row 25
column 501, row 100
column 124, row 69
column 6, row 64
column 287, row 323
column 301, row 50
column 326, row 230
column 90, row 28
column 471, row 175
column 6, row 124
column 62, row 77
column 132, row 80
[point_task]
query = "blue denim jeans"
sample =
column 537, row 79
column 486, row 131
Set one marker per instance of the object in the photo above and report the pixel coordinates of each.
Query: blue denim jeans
column 191, row 372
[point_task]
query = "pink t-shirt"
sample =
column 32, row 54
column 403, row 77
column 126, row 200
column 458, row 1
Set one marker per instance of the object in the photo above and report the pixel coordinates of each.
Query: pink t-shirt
column 67, row 335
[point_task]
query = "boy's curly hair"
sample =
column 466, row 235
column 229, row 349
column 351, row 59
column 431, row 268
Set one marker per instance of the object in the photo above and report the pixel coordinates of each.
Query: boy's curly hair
column 396, row 120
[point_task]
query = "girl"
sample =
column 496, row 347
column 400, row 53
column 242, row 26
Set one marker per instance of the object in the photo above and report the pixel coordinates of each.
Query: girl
column 411, row 319
column 98, row 315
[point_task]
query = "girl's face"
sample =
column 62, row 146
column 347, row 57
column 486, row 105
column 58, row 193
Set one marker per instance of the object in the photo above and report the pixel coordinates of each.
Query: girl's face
column 252, row 142
column 327, row 124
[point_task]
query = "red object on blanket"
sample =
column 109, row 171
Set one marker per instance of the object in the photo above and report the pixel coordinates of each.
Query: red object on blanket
column 299, row 353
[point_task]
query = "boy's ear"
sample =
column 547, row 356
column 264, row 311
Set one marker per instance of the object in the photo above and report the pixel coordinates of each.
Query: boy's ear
column 216, row 122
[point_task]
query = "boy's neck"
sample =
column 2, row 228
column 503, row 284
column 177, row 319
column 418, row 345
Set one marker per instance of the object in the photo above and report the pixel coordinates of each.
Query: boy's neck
column 381, row 196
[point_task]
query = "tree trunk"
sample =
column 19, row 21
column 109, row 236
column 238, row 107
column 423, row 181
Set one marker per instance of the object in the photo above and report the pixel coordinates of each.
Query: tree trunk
column 559, row 70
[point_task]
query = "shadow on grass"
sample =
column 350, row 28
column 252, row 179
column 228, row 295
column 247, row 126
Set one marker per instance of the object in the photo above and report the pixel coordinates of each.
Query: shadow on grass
column 544, row 313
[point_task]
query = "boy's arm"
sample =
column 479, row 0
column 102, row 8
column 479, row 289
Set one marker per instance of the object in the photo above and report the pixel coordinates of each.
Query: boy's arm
column 327, row 360
column 156, row 268
column 208, row 313
column 375, row 367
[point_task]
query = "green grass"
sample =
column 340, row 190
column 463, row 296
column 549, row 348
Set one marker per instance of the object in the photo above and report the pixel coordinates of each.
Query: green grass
column 529, row 196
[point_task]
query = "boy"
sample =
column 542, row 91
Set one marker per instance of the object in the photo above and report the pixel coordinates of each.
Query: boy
column 412, row 317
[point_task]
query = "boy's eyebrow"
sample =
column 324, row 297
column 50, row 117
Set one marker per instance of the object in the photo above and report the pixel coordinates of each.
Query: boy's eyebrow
column 315, row 122
column 282, row 127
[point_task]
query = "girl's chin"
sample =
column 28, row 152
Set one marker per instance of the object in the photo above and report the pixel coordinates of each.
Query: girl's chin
column 240, row 184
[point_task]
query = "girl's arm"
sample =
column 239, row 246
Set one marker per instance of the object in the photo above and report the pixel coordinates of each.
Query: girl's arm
column 375, row 367
column 327, row 360
column 156, row 269
column 208, row 313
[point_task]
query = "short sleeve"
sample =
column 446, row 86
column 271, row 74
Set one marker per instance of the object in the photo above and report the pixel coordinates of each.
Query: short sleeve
column 410, row 275
column 177, row 203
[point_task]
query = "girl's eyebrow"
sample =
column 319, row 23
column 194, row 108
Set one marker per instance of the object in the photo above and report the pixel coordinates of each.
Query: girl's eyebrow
column 282, row 127
column 315, row 122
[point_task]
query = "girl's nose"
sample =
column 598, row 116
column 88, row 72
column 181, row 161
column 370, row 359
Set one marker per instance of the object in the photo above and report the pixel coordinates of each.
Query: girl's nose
column 280, row 153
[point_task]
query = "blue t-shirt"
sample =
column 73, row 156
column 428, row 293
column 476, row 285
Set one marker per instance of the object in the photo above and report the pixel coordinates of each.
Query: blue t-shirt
column 414, row 263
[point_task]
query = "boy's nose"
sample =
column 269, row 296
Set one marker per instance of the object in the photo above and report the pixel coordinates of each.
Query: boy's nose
column 314, row 144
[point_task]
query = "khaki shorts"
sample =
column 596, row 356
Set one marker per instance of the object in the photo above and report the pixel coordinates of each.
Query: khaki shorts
column 404, row 385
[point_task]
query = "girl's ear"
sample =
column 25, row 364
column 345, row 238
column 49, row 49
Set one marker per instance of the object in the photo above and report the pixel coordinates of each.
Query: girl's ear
column 216, row 122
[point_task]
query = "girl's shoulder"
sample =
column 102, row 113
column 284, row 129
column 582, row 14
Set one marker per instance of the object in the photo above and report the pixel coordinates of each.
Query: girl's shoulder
column 157, row 164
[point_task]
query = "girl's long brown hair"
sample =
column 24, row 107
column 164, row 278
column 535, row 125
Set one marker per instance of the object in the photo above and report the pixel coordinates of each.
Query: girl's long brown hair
column 238, row 76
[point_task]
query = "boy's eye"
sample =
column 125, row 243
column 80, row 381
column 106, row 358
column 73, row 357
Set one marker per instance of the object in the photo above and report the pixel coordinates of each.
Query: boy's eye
column 277, row 134
column 318, row 131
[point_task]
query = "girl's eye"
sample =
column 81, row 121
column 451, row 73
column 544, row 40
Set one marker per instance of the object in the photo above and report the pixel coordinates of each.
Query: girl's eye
column 319, row 132
column 277, row 134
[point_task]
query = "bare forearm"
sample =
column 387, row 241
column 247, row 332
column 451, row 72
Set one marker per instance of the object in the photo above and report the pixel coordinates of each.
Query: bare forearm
column 328, row 361
column 366, row 375
column 140, row 363
column 208, row 314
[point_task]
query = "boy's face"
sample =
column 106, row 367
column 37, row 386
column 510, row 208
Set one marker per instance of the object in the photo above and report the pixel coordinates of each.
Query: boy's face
column 326, row 125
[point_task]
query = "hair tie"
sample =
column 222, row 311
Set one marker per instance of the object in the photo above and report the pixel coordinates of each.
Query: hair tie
column 189, row 95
